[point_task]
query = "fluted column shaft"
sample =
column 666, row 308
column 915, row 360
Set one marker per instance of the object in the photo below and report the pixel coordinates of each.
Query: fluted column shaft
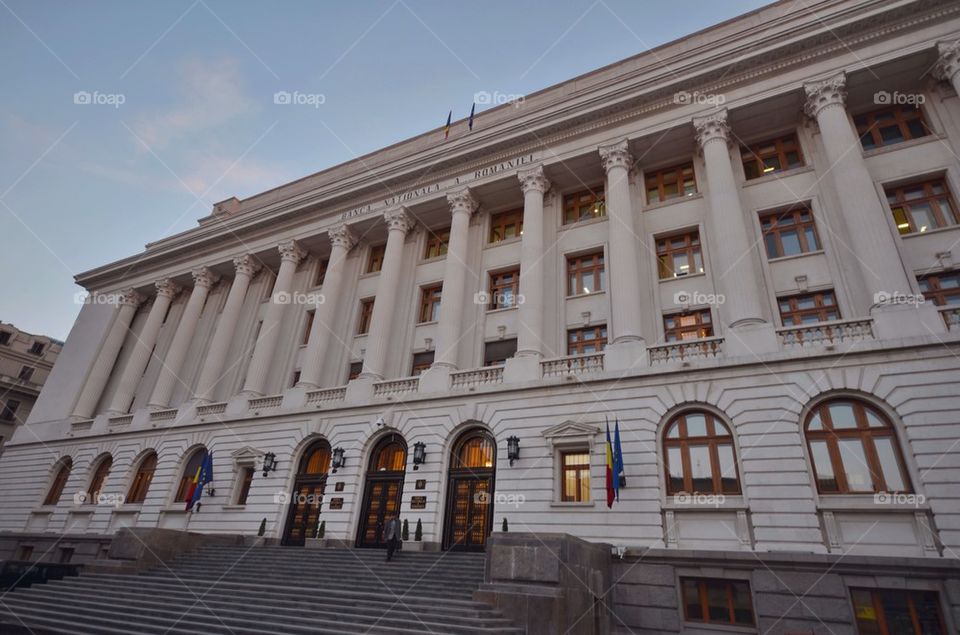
column 322, row 329
column 624, row 266
column 210, row 374
column 735, row 265
column 203, row 280
column 290, row 256
column 107, row 357
column 450, row 325
column 532, row 280
column 385, row 306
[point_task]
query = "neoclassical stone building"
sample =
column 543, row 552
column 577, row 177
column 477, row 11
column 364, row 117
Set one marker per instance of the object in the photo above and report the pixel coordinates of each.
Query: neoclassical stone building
column 741, row 246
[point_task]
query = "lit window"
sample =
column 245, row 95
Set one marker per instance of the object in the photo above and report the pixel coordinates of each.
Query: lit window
column 142, row 479
column 772, row 156
column 437, row 241
column 669, row 183
column 690, row 325
column 920, row 207
column 897, row 612
column 586, row 274
column 575, row 476
column 679, row 255
column 584, row 205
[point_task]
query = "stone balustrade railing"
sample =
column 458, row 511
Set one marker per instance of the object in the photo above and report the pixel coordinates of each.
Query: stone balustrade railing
column 324, row 395
column 826, row 333
column 120, row 421
column 705, row 348
column 167, row 414
column 265, row 403
column 488, row 375
column 396, row 386
column 572, row 365
column 211, row 409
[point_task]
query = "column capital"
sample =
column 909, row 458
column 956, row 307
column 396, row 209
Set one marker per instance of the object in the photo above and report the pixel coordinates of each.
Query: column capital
column 533, row 180
column 167, row 288
column 341, row 236
column 398, row 218
column 462, row 200
column 825, row 93
column 204, row 277
column 948, row 62
column 712, row 127
column 291, row 251
column 616, row 155
column 131, row 297
column 246, row 265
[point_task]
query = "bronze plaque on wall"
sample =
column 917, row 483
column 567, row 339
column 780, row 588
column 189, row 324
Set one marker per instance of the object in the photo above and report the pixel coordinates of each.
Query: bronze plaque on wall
column 418, row 502
column 336, row 503
column 338, row 486
column 421, row 483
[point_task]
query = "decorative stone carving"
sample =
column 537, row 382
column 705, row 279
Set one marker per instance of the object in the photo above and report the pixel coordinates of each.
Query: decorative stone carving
column 167, row 288
column 948, row 64
column 290, row 250
column 131, row 297
column 616, row 155
column 341, row 236
column 398, row 218
column 824, row 94
column 533, row 180
column 204, row 277
column 462, row 200
column 712, row 127
column 246, row 265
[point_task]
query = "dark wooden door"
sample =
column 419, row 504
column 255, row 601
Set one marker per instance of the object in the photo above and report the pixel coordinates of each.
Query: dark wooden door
column 382, row 499
column 469, row 512
column 304, row 516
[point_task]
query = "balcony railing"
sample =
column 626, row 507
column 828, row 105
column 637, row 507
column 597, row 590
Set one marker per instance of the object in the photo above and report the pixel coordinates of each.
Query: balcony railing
column 120, row 421
column 488, row 375
column 826, row 333
column 705, row 348
column 81, row 426
column 317, row 397
column 265, row 403
column 166, row 414
column 396, row 386
column 951, row 317
column 572, row 365
column 211, row 409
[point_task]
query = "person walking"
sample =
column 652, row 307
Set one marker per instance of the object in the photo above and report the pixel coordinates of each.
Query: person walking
column 391, row 533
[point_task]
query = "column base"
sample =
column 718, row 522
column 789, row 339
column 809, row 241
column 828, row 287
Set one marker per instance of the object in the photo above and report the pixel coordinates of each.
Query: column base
column 295, row 397
column 360, row 390
column 625, row 355
column 897, row 321
column 750, row 339
column 519, row 369
column 436, row 378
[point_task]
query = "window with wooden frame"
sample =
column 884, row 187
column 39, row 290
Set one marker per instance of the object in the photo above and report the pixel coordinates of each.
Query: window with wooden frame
column 421, row 362
column 504, row 289
column 672, row 182
column 789, row 232
column 808, row 308
column 584, row 205
column 59, row 481
column 688, row 325
column 142, row 479
column 36, row 348
column 189, row 473
column 9, row 411
column 307, row 327
column 586, row 273
column 321, row 272
column 243, row 488
column 98, row 479
column 767, row 157
column 375, row 259
column 854, row 449
column 437, row 242
column 506, row 225
column 679, row 255
column 920, row 207
column 890, row 125
column 585, row 341
column 699, row 457
column 430, row 303
column 575, row 476
column 5, row 338
column 941, row 288
column 354, row 370
column 897, row 612
column 717, row 601
column 366, row 315
column 497, row 353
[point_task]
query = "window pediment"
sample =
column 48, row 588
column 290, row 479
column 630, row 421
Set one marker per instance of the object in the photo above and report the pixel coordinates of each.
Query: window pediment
column 570, row 433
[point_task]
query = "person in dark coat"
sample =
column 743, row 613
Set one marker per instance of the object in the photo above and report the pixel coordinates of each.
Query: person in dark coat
column 391, row 534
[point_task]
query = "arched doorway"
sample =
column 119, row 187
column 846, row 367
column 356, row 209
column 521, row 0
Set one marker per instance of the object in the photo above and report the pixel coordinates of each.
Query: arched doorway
column 468, row 517
column 383, row 489
column 304, row 506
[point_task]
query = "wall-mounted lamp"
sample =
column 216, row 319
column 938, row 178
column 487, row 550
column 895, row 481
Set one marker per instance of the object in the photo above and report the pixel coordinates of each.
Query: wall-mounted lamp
column 513, row 449
column 337, row 460
column 269, row 463
column 419, row 454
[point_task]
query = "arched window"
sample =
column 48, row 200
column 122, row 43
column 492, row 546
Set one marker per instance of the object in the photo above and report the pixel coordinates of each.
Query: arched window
column 475, row 450
column 699, row 456
column 390, row 457
column 142, row 479
column 96, row 481
column 316, row 460
column 59, row 481
column 854, row 449
column 189, row 474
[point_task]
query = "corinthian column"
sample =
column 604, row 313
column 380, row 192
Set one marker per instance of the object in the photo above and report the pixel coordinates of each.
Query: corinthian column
column 322, row 329
column 143, row 347
column 210, row 374
column 203, row 280
column 947, row 67
column 534, row 185
column 100, row 373
column 290, row 256
column 385, row 307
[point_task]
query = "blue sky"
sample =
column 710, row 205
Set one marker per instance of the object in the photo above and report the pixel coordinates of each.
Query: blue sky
column 185, row 113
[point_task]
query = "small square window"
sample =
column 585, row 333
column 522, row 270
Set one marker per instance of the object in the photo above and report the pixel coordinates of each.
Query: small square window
column 37, row 348
column 421, row 362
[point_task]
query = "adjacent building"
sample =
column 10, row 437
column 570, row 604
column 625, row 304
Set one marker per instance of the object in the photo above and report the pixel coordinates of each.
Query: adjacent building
column 25, row 363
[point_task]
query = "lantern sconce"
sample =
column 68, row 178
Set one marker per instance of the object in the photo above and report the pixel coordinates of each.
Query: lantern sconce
column 338, row 460
column 419, row 454
column 269, row 463
column 513, row 449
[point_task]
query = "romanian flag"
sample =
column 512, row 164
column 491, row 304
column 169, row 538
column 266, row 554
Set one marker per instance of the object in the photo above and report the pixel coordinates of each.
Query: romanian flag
column 446, row 128
column 203, row 476
column 611, row 488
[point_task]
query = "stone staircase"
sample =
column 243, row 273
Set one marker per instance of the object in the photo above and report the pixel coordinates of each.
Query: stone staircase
column 247, row 590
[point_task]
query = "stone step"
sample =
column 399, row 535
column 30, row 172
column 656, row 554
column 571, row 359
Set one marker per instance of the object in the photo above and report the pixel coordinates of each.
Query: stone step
column 348, row 572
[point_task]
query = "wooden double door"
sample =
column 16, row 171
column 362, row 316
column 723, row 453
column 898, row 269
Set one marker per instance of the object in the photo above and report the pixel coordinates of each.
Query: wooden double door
column 469, row 512
column 304, row 517
column 381, row 501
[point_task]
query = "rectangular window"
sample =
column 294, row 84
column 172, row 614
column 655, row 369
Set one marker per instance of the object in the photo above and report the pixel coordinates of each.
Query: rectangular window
column 9, row 412
column 366, row 314
column 354, row 371
column 246, row 479
column 717, row 601
column 421, row 362
column 498, row 352
column 296, row 378
column 575, row 476
column 808, row 308
column 430, row 303
column 789, row 232
column 4, row 338
column 679, row 255
column 889, row 126
column 504, row 289
column 941, row 288
column 37, row 348
column 586, row 274
column 586, row 340
column 66, row 555
column 506, row 225
column 375, row 261
column 584, row 205
column 25, row 553
column 897, row 612
column 436, row 243
column 321, row 273
column 920, row 207
column 771, row 156
column 26, row 372
column 691, row 325
column 671, row 182
column 307, row 326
